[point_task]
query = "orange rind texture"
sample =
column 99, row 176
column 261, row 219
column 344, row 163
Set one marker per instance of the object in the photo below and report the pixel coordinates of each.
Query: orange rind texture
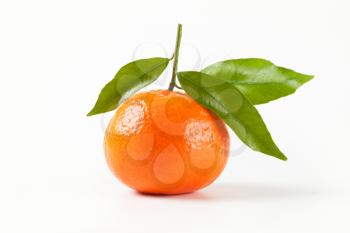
column 164, row 142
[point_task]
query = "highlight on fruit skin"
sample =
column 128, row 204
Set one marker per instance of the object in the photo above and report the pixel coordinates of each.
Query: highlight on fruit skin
column 164, row 142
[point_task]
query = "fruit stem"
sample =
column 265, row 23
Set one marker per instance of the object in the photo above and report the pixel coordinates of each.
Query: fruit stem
column 176, row 57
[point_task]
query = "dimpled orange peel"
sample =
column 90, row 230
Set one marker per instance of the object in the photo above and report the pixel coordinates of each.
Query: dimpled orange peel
column 166, row 143
column 175, row 142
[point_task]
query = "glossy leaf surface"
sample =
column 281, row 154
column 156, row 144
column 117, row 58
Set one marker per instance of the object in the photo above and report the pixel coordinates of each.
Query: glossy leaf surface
column 129, row 79
column 259, row 80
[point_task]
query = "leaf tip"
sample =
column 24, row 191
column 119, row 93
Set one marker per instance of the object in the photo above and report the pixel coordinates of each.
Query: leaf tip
column 309, row 77
column 281, row 156
column 91, row 113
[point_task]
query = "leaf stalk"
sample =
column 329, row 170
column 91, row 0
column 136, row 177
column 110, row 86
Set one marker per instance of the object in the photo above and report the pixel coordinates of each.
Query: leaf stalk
column 176, row 57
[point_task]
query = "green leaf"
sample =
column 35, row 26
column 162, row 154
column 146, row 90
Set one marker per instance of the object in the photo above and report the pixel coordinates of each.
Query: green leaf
column 233, row 108
column 129, row 79
column 258, row 79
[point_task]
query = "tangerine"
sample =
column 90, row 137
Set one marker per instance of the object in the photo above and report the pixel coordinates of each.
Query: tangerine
column 164, row 142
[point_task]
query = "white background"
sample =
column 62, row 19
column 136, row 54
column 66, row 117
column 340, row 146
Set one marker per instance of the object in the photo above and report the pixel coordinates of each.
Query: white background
column 55, row 56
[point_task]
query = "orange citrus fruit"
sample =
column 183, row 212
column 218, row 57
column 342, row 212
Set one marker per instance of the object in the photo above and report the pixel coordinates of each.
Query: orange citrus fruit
column 164, row 142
